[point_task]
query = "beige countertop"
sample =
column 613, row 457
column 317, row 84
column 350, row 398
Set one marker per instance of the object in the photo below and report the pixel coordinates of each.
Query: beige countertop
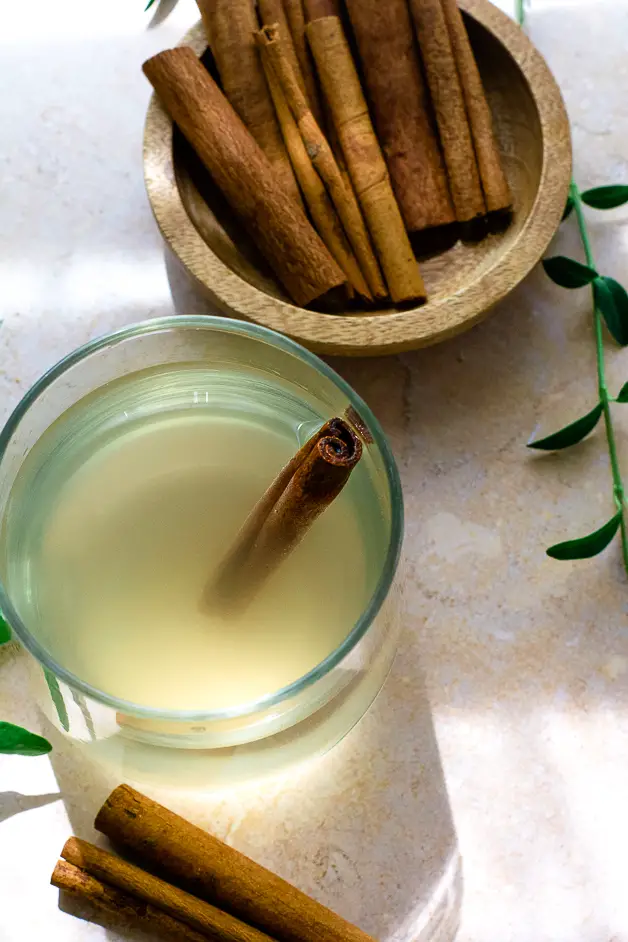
column 526, row 659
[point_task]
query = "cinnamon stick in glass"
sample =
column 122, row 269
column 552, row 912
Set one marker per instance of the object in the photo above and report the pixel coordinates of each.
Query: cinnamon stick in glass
column 324, row 161
column 270, row 215
column 449, row 106
column 401, row 111
column 295, row 15
column 143, row 886
column 230, row 25
column 122, row 907
column 367, row 167
column 202, row 865
column 494, row 184
column 318, row 202
column 300, row 493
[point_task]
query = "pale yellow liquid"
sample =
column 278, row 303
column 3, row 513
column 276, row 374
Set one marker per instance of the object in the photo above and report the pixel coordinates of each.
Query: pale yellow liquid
column 128, row 538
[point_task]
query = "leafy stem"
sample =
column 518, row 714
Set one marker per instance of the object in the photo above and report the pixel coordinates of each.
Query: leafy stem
column 618, row 486
column 610, row 305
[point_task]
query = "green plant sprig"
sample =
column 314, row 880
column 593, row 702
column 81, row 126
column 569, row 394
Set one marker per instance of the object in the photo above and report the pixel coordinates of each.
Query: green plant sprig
column 14, row 740
column 610, row 306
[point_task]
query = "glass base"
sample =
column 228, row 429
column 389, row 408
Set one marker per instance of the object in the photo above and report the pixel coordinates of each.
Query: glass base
column 149, row 763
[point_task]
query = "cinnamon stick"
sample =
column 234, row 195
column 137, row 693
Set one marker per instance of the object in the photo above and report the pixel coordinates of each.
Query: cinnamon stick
column 401, row 111
column 320, row 206
column 300, row 493
column 295, row 15
column 366, row 164
column 199, row 915
column 272, row 13
column 207, row 9
column 317, row 9
column 211, row 870
column 324, row 161
column 494, row 184
column 123, row 908
column 230, row 25
column 451, row 116
column 271, row 216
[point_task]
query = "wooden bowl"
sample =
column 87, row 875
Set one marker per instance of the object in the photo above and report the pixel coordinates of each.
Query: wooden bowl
column 463, row 283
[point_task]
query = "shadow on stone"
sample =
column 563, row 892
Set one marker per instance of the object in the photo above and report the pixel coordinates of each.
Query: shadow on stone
column 12, row 803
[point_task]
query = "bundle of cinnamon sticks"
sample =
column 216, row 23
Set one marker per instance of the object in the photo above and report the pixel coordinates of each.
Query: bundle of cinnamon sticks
column 329, row 178
column 187, row 884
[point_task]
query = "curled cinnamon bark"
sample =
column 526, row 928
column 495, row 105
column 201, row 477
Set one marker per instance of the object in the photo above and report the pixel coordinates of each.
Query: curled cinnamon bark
column 494, row 184
column 323, row 159
column 230, row 25
column 122, row 907
column 401, row 111
column 295, row 15
column 318, row 202
column 449, row 106
column 365, row 162
column 273, row 218
column 199, row 915
column 304, row 488
column 211, row 870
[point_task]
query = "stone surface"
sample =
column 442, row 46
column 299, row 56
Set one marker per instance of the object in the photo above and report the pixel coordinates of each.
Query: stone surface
column 526, row 659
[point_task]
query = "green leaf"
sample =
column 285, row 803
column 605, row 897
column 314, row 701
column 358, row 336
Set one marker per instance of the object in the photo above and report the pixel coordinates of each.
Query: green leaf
column 5, row 631
column 567, row 272
column 569, row 205
column 605, row 197
column 612, row 300
column 57, row 699
column 623, row 394
column 587, row 546
column 19, row 742
column 148, row 5
column 570, row 434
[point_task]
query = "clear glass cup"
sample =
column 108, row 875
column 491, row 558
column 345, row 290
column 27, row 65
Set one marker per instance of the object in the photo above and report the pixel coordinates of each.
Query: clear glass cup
column 301, row 720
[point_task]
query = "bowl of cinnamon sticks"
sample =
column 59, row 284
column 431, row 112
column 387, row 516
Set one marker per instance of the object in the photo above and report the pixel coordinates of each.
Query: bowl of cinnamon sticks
column 364, row 177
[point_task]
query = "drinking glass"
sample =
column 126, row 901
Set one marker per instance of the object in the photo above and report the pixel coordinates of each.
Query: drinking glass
column 306, row 717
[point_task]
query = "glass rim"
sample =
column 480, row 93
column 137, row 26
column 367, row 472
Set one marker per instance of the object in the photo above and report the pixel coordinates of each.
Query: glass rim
column 389, row 568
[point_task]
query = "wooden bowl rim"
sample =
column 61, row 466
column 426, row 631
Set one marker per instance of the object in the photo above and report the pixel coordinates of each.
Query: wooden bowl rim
column 379, row 333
